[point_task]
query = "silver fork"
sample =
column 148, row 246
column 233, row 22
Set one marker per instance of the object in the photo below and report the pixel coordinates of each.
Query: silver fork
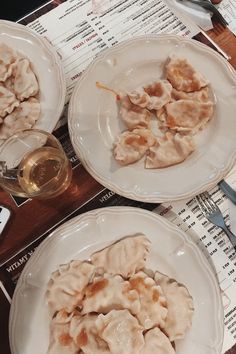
column 212, row 212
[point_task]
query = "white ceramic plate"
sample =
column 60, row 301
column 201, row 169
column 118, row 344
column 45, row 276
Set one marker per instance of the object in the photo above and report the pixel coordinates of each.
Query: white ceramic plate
column 47, row 67
column 171, row 253
column 94, row 123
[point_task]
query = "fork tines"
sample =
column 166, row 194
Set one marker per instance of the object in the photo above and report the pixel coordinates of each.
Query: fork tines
column 206, row 203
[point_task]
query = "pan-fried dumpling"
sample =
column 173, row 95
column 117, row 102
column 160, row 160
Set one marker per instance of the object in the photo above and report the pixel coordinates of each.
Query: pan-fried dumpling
column 65, row 289
column 133, row 115
column 157, row 342
column 110, row 292
column 8, row 101
column 188, row 115
column 153, row 309
column 121, row 331
column 25, row 82
column 172, row 149
column 179, row 304
column 183, row 76
column 85, row 334
column 123, row 257
column 23, row 117
column 131, row 146
column 153, row 96
column 60, row 341
column 7, row 58
column 201, row 95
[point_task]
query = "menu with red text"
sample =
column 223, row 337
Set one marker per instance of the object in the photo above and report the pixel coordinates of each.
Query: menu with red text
column 80, row 29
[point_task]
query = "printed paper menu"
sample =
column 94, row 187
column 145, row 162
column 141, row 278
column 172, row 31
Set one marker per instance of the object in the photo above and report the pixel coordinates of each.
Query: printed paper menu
column 216, row 247
column 79, row 30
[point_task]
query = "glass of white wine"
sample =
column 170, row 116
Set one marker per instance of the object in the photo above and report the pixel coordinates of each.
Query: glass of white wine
column 33, row 164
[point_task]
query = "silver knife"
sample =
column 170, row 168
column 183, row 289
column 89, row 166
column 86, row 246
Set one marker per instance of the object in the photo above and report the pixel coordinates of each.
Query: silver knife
column 228, row 191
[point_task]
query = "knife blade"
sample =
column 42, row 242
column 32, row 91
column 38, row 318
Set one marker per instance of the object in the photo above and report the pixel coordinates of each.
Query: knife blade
column 228, row 191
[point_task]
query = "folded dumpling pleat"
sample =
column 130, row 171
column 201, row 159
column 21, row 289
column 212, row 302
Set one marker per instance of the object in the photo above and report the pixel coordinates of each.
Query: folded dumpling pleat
column 60, row 341
column 179, row 304
column 110, row 292
column 121, row 331
column 7, row 58
column 85, row 334
column 153, row 96
column 157, row 342
column 123, row 257
column 25, row 82
column 8, row 101
column 23, row 117
column 172, row 149
column 134, row 116
column 188, row 115
column 132, row 145
column 183, row 76
column 153, row 310
column 66, row 286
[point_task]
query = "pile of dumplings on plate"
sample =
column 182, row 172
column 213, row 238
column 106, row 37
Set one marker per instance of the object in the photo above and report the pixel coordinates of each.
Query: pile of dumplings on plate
column 180, row 104
column 19, row 105
column 113, row 304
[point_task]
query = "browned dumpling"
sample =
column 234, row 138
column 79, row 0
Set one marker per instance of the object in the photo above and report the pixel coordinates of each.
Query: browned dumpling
column 109, row 292
column 153, row 310
column 60, row 340
column 85, row 335
column 201, row 95
column 133, row 115
column 131, row 146
column 172, row 149
column 188, row 115
column 183, row 76
column 153, row 96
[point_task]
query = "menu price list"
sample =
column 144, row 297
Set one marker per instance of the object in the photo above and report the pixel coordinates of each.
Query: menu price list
column 217, row 248
column 79, row 30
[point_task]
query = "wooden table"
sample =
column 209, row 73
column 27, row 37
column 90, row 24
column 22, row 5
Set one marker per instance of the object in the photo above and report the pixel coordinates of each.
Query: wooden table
column 34, row 218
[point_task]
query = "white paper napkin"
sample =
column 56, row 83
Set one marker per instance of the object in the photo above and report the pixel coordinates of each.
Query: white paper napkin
column 198, row 15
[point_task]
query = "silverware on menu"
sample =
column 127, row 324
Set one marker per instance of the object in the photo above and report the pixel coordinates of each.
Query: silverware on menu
column 212, row 212
column 228, row 191
column 206, row 4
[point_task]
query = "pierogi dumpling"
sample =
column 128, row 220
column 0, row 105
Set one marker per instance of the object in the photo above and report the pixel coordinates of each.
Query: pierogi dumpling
column 109, row 292
column 65, row 288
column 179, row 304
column 25, row 82
column 134, row 116
column 85, row 334
column 8, row 101
column 121, row 331
column 202, row 95
column 131, row 146
column 60, row 341
column 183, row 76
column 172, row 149
column 23, row 117
column 188, row 115
column 153, row 96
column 124, row 257
column 153, row 309
column 7, row 57
column 157, row 342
